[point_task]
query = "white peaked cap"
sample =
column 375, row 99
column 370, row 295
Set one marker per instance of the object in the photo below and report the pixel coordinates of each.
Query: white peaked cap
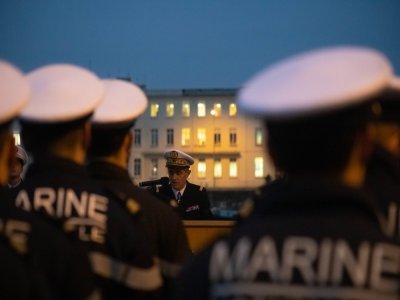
column 62, row 93
column 123, row 102
column 315, row 82
column 14, row 91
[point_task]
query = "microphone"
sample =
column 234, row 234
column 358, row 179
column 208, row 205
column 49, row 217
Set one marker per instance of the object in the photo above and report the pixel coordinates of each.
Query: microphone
column 162, row 181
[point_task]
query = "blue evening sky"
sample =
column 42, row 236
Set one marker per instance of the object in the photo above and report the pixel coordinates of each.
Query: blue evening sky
column 171, row 44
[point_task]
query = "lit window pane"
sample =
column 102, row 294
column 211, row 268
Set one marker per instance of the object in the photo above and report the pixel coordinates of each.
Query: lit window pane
column 217, row 168
column 258, row 167
column 201, row 109
column 170, row 110
column 154, row 166
column 201, row 168
column 259, row 137
column 232, row 110
column 233, row 168
column 216, row 111
column 185, row 136
column 201, row 136
column 154, row 110
column 186, row 109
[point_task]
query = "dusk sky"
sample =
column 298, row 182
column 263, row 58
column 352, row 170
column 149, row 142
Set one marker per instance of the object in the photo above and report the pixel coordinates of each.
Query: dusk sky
column 169, row 44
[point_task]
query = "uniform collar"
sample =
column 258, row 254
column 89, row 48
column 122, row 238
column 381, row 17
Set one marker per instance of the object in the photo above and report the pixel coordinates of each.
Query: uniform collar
column 299, row 193
column 177, row 191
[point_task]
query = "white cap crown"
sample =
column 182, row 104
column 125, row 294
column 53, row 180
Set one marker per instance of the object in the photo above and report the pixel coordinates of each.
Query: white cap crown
column 61, row 93
column 316, row 81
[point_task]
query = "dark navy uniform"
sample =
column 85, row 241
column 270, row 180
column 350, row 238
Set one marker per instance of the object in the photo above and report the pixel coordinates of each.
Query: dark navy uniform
column 194, row 203
column 383, row 181
column 166, row 230
column 62, row 191
column 14, row 279
column 311, row 239
column 59, row 267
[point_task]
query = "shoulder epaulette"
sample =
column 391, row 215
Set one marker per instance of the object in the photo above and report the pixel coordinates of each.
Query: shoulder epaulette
column 201, row 188
column 133, row 206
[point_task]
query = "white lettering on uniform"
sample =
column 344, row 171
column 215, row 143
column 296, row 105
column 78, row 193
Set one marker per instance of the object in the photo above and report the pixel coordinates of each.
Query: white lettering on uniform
column 22, row 201
column 72, row 201
column 44, row 197
column 86, row 213
column 343, row 259
column 325, row 262
column 299, row 253
column 385, row 259
column 97, row 208
column 265, row 258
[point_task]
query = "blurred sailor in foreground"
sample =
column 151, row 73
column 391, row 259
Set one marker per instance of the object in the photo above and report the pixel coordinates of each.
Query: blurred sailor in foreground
column 319, row 236
column 191, row 200
column 383, row 172
column 56, row 130
column 56, row 267
column 17, row 166
column 109, row 154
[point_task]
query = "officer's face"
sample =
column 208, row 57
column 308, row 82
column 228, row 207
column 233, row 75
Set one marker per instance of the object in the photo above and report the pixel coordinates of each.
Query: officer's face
column 178, row 177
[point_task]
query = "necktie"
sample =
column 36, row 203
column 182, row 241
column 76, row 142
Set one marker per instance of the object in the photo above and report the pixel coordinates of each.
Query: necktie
column 178, row 197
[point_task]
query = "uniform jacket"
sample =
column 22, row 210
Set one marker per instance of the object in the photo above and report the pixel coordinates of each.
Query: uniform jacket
column 383, row 182
column 57, row 268
column 166, row 230
column 312, row 239
column 62, row 191
column 194, row 203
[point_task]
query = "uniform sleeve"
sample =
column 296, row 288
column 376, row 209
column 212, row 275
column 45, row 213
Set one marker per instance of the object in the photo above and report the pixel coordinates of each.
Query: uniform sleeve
column 192, row 282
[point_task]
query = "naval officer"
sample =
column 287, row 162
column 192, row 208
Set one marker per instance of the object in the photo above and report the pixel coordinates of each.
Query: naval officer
column 108, row 157
column 318, row 236
column 191, row 200
column 56, row 131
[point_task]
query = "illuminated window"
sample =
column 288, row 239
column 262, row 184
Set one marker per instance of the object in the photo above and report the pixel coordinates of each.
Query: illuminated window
column 137, row 167
column 232, row 136
column 170, row 109
column 185, row 109
column 201, row 168
column 185, row 136
column 259, row 137
column 154, row 167
column 216, row 111
column 17, row 138
column 201, row 109
column 170, row 136
column 232, row 168
column 154, row 110
column 137, row 137
column 217, row 168
column 232, row 110
column 258, row 167
column 217, row 137
column 154, row 137
column 201, row 136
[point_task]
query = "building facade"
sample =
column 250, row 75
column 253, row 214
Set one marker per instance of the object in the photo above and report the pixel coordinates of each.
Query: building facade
column 228, row 147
